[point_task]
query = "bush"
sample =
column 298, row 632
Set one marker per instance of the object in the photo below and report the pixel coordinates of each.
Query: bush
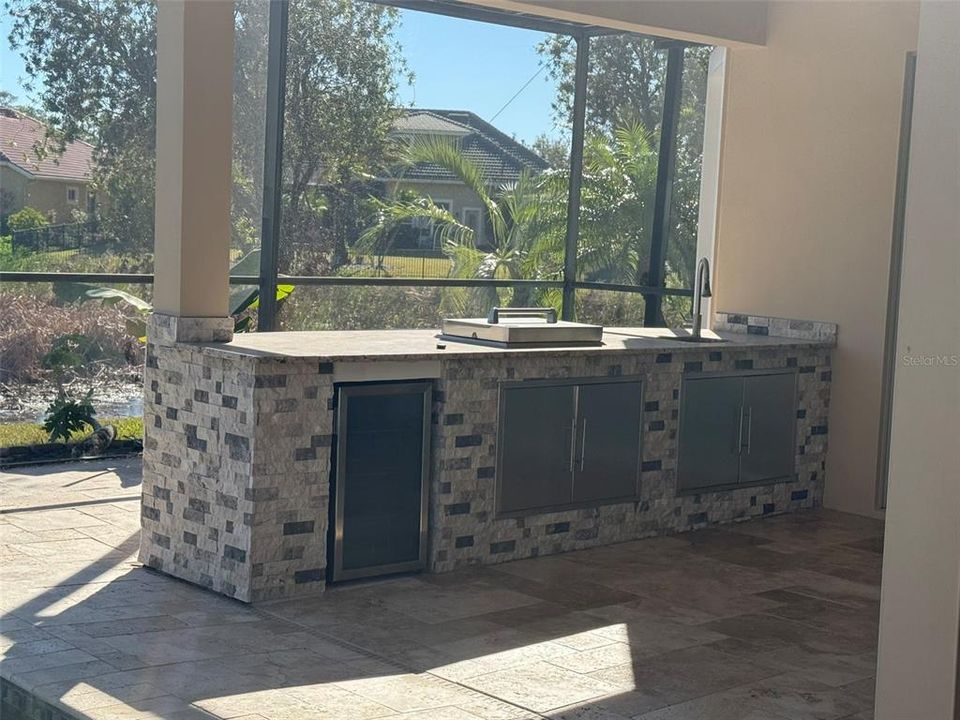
column 67, row 416
column 26, row 219
column 361, row 308
column 30, row 326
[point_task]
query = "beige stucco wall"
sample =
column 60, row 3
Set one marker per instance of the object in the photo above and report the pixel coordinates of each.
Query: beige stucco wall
column 920, row 598
column 43, row 194
column 808, row 165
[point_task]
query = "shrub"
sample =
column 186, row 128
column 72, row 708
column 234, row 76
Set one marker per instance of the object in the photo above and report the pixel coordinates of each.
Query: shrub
column 66, row 416
column 30, row 325
column 26, row 219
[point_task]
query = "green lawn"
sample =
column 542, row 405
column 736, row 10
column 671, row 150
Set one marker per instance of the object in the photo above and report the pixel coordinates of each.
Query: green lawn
column 33, row 433
column 401, row 266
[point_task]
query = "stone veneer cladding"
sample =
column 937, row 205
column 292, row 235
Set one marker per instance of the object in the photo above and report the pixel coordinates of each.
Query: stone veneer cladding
column 237, row 462
column 235, row 471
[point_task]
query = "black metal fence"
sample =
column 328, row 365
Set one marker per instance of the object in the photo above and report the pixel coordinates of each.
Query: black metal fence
column 59, row 238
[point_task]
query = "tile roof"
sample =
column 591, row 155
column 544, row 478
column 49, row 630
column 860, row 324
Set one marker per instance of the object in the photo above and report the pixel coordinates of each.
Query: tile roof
column 500, row 157
column 19, row 134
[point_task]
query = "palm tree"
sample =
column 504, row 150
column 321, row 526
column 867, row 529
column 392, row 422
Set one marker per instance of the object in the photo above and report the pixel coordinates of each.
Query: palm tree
column 527, row 218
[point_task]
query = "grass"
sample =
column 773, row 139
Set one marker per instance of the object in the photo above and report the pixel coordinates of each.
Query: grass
column 401, row 266
column 12, row 434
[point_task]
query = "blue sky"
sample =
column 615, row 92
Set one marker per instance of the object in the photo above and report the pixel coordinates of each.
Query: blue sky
column 465, row 65
column 458, row 64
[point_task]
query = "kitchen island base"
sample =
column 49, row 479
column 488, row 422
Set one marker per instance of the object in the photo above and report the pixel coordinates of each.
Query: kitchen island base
column 238, row 448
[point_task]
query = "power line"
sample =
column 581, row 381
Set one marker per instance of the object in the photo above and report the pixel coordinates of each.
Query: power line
column 517, row 93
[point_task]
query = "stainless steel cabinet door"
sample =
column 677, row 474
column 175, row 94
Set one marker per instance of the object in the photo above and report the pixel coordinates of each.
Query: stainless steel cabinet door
column 607, row 456
column 769, row 434
column 535, row 446
column 709, row 452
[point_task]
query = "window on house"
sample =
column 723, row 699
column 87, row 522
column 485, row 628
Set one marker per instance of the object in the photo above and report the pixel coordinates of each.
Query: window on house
column 73, row 194
column 473, row 219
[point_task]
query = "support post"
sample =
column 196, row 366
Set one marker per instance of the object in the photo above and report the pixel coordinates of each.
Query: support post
column 193, row 181
column 576, row 176
column 273, row 164
column 666, row 169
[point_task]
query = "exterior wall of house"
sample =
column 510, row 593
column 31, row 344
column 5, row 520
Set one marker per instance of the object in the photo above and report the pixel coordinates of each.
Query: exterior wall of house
column 47, row 196
column 807, row 183
column 457, row 194
column 920, row 600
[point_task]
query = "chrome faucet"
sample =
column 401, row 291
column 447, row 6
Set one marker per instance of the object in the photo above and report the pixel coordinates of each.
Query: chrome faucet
column 701, row 289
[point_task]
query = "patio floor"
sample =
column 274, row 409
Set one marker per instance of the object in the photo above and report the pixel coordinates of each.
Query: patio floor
column 767, row 620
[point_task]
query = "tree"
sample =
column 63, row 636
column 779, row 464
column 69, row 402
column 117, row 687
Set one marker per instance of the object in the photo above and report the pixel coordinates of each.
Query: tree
column 93, row 67
column 555, row 151
column 625, row 89
column 26, row 219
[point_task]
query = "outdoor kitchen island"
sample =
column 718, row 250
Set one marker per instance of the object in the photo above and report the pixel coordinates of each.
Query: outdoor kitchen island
column 654, row 435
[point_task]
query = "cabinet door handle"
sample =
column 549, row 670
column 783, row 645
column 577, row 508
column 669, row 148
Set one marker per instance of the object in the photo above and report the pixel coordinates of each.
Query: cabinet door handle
column 749, row 429
column 583, row 443
column 573, row 444
column 740, row 431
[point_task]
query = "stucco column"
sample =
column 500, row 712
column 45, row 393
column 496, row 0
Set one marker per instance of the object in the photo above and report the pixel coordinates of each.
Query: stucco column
column 194, row 146
column 920, row 598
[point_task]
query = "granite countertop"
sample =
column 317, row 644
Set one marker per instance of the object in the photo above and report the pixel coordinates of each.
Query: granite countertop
column 365, row 345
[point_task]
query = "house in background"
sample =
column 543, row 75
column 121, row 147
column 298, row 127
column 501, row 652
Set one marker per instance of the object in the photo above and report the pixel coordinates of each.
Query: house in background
column 501, row 158
column 56, row 185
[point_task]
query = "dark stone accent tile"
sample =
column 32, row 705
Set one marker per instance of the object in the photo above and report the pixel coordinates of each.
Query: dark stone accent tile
column 260, row 494
column 161, row 540
column 664, row 357
column 157, row 422
column 205, row 372
column 305, row 454
column 270, row 381
column 228, row 526
column 715, row 356
column 818, row 430
column 557, row 528
column 301, row 577
column 171, row 413
column 229, row 401
column 439, row 396
column 189, row 538
column 218, row 387
column 227, row 501
column 234, row 553
column 298, row 528
column 453, row 419
column 804, row 369
column 652, row 406
column 193, row 442
column 311, row 393
column 656, row 425
column 458, row 508
column 699, row 518
column 769, row 508
column 161, row 493
column 693, row 366
column 505, row 546
column 791, row 362
column 614, row 371
column 743, row 364
column 799, row 494
column 154, row 386
column 198, row 505
column 462, row 463
column 758, row 330
column 468, row 440
column 676, row 393
column 150, row 513
column 464, row 541
column 194, row 516
column 587, row 534
column 485, row 473
column 444, row 488
column 158, row 398
column 201, row 396
column 650, row 465
column 317, row 441
column 737, row 319
column 325, row 368
column 293, row 553
column 285, row 405
column 170, row 460
column 753, row 501
column 801, row 414
column 238, row 446
column 826, row 376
